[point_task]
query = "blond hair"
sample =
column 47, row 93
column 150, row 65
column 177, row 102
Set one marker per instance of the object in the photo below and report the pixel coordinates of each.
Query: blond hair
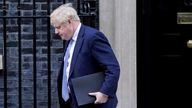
column 64, row 13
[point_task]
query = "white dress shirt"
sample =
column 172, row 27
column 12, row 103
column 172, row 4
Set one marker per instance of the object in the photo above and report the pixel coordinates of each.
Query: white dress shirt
column 74, row 38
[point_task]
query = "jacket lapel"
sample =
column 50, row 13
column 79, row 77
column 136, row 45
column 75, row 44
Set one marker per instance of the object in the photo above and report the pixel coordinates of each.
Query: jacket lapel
column 65, row 46
column 77, row 49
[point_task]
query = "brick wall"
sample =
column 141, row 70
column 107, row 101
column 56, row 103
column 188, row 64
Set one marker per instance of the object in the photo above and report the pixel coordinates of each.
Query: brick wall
column 27, row 50
column 27, row 55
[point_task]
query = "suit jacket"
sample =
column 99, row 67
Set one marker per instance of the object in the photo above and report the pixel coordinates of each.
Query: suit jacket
column 92, row 54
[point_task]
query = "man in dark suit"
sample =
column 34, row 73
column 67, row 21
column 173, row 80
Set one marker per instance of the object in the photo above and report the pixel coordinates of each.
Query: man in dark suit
column 87, row 51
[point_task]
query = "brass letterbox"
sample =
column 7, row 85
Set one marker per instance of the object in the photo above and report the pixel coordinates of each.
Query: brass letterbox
column 184, row 17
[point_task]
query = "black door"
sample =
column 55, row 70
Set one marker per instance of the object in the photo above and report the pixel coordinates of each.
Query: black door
column 164, row 59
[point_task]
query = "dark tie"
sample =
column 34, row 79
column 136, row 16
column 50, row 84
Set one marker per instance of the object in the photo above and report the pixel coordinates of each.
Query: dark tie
column 65, row 91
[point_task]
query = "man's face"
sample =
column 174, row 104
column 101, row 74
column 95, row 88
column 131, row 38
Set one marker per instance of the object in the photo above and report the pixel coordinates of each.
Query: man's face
column 65, row 30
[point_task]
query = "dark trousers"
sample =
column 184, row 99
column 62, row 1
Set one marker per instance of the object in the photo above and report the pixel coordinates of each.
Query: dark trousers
column 69, row 104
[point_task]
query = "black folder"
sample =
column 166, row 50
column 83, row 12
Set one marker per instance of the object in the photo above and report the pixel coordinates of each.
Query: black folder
column 86, row 84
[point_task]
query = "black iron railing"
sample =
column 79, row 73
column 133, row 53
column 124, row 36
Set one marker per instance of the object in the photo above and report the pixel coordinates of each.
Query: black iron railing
column 88, row 12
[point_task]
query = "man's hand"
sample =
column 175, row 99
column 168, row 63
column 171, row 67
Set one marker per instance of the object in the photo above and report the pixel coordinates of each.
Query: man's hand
column 100, row 97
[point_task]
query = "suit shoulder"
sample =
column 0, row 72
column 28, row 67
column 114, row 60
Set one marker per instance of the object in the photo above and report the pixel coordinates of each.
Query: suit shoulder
column 89, row 29
column 92, row 32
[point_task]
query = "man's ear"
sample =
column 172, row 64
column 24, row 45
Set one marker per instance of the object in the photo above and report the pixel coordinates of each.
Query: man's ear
column 69, row 21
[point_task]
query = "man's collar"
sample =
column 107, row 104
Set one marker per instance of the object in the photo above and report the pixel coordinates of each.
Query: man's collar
column 75, row 35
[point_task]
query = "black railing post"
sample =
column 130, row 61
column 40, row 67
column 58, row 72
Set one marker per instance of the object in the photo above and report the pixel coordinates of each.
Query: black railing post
column 19, row 50
column 5, row 54
column 97, row 14
column 48, row 55
column 78, row 6
column 34, row 57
